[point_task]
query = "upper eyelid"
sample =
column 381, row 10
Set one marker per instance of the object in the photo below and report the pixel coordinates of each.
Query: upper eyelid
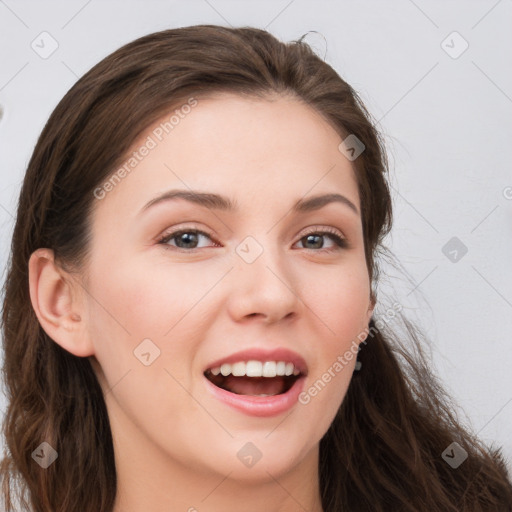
column 170, row 233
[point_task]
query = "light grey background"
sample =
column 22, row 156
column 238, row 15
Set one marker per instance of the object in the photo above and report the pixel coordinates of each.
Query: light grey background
column 446, row 117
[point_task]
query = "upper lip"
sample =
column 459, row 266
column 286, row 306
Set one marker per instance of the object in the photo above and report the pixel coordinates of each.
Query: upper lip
column 258, row 354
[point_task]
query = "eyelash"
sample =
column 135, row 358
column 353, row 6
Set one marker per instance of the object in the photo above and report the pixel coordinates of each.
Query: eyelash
column 341, row 243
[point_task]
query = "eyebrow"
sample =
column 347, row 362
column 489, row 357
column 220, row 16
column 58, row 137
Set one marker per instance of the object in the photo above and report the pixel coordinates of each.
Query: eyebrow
column 218, row 202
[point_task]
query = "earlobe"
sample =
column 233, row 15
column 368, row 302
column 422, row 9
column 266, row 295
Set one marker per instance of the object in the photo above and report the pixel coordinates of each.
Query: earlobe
column 56, row 303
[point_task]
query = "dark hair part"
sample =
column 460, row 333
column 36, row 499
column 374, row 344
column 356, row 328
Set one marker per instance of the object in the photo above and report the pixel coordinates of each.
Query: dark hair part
column 383, row 450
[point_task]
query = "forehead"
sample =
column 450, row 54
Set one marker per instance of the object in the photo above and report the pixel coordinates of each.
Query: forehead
column 236, row 145
column 252, row 127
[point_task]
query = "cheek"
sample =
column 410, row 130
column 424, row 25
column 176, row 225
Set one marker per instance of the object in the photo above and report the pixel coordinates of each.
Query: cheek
column 134, row 301
column 340, row 300
column 131, row 304
column 150, row 300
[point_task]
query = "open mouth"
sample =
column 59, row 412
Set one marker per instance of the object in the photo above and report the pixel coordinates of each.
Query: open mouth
column 255, row 378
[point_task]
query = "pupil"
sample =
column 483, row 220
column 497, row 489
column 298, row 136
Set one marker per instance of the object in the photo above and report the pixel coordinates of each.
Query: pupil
column 316, row 240
column 187, row 239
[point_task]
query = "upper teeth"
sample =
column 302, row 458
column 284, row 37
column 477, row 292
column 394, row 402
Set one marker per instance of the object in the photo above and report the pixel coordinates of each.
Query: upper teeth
column 256, row 369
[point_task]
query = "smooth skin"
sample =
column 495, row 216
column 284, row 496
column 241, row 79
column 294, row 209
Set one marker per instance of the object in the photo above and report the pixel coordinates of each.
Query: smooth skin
column 175, row 444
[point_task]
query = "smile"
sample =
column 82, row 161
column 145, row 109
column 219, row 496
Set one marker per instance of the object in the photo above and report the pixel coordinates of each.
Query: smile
column 254, row 378
column 257, row 385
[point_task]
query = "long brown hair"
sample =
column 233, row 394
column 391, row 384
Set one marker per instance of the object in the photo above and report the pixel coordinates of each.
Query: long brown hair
column 384, row 449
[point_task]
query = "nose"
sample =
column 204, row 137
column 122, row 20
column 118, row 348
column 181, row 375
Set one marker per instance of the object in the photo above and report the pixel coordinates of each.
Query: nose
column 264, row 289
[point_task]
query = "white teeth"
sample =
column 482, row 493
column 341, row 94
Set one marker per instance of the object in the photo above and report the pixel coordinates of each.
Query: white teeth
column 256, row 369
column 269, row 369
column 238, row 369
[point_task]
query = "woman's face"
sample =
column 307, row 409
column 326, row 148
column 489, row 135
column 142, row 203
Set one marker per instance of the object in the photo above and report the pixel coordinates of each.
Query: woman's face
column 248, row 270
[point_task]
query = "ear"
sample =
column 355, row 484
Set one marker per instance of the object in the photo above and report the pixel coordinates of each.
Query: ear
column 371, row 308
column 58, row 302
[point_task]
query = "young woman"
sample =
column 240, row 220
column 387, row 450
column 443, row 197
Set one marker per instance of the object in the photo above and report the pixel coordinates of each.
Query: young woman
column 189, row 319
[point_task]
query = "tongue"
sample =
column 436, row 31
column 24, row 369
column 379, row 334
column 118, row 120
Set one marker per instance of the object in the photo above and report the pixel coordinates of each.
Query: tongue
column 254, row 385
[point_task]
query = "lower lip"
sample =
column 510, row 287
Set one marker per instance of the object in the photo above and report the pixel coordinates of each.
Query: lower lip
column 262, row 406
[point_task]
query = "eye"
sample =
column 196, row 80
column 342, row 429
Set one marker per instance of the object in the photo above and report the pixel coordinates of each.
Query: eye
column 185, row 239
column 315, row 240
column 190, row 239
